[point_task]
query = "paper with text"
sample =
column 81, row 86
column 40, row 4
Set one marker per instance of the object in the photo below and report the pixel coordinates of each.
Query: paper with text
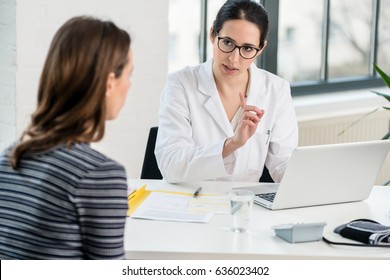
column 176, row 207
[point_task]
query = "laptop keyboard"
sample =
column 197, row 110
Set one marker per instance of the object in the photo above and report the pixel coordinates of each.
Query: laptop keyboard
column 267, row 196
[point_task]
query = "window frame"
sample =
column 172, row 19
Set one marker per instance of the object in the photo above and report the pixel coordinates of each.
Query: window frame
column 324, row 84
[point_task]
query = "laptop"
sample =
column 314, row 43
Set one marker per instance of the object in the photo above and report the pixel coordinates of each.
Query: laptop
column 325, row 174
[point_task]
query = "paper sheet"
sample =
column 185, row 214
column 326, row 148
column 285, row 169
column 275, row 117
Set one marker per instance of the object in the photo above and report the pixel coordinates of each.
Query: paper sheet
column 180, row 208
column 216, row 204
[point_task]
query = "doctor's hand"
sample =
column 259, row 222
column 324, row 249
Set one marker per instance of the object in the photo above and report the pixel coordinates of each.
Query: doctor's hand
column 246, row 127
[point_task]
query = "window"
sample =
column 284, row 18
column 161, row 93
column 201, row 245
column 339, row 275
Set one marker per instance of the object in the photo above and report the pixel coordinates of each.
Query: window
column 189, row 26
column 334, row 44
column 299, row 38
column 184, row 33
column 383, row 58
column 317, row 45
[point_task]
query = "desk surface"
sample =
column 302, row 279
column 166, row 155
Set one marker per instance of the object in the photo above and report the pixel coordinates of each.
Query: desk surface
column 145, row 239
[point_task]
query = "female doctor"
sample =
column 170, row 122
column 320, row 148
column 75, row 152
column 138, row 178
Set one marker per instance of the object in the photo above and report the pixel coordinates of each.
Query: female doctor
column 225, row 119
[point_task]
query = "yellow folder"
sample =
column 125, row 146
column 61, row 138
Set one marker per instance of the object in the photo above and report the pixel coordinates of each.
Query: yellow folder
column 136, row 198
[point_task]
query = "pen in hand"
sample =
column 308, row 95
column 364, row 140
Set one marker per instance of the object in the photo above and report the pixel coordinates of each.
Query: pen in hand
column 196, row 193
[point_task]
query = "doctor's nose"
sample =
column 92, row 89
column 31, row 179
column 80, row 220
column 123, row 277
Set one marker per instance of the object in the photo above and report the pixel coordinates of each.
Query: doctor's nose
column 234, row 56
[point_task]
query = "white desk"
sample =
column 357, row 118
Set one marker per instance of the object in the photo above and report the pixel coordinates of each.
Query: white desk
column 145, row 239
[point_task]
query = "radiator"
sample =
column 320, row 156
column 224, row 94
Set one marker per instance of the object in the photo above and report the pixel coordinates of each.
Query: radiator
column 327, row 130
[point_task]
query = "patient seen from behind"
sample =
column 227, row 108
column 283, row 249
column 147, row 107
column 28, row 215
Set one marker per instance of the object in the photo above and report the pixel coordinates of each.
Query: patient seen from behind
column 59, row 198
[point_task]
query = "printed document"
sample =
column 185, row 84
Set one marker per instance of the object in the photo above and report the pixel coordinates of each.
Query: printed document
column 181, row 208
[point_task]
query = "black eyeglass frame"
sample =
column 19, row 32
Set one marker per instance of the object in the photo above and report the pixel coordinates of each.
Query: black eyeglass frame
column 236, row 47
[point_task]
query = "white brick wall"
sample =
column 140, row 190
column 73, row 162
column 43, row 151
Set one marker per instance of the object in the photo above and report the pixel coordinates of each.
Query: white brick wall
column 26, row 29
column 7, row 72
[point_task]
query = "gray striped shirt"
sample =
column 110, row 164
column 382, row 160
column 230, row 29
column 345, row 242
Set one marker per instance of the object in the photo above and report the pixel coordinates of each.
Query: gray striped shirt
column 66, row 203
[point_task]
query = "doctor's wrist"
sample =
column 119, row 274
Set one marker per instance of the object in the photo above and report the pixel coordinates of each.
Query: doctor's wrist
column 230, row 146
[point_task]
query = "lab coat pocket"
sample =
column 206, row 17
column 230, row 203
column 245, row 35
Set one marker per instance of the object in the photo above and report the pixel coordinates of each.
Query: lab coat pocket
column 258, row 151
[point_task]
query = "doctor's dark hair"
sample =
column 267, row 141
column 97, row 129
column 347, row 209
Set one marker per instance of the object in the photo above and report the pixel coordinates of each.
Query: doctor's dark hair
column 72, row 88
column 243, row 9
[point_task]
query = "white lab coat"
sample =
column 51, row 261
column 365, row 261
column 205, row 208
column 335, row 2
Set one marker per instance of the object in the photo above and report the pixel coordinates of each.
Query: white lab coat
column 193, row 127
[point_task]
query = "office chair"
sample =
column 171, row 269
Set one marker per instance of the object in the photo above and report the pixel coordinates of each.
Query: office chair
column 266, row 177
column 150, row 168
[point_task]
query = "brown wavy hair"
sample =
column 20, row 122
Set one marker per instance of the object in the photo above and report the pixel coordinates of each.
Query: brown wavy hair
column 72, row 87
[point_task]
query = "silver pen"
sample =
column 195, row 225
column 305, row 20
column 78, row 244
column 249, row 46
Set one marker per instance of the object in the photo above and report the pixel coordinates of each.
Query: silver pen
column 269, row 135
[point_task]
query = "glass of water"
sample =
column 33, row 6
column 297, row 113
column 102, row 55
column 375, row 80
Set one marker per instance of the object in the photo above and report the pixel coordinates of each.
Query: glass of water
column 241, row 204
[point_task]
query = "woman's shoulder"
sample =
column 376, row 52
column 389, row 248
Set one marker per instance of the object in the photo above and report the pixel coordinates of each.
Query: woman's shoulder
column 189, row 71
column 267, row 76
column 190, row 76
column 90, row 158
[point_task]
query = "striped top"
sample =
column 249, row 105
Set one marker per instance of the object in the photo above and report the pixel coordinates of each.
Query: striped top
column 66, row 203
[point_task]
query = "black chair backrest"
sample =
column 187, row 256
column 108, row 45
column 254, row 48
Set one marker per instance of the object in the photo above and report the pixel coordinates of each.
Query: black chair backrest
column 266, row 177
column 150, row 168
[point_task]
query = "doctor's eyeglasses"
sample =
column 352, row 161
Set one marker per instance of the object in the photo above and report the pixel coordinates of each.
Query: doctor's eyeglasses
column 227, row 45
